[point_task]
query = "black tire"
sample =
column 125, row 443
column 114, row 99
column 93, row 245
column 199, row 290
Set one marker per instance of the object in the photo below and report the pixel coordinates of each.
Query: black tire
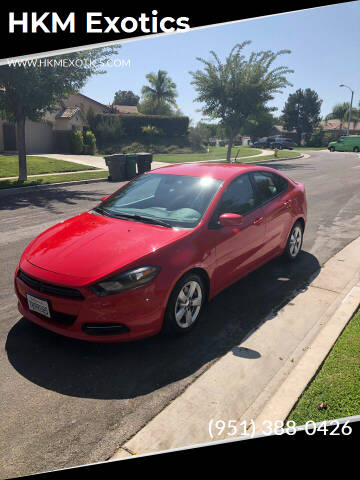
column 332, row 149
column 171, row 325
column 356, row 149
column 291, row 253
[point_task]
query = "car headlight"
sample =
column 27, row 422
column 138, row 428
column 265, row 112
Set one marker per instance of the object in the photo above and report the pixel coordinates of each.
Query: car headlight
column 125, row 281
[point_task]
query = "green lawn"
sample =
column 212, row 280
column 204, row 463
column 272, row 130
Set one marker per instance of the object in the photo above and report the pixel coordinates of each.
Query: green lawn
column 9, row 166
column 337, row 384
column 52, row 179
column 216, row 153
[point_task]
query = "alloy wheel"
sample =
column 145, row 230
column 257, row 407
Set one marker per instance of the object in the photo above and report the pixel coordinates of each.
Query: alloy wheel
column 188, row 304
column 295, row 241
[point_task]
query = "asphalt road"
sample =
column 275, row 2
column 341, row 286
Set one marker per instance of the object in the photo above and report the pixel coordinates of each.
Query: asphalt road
column 66, row 402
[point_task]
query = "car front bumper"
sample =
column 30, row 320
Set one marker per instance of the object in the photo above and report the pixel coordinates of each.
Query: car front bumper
column 124, row 317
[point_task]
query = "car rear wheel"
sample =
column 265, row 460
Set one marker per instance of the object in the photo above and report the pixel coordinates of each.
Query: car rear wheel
column 356, row 149
column 294, row 243
column 185, row 305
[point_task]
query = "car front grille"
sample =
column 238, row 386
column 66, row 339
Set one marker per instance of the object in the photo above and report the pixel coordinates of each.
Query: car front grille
column 43, row 287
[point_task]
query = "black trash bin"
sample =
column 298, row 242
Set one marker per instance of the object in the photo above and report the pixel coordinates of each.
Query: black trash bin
column 144, row 162
column 131, row 161
column 117, row 167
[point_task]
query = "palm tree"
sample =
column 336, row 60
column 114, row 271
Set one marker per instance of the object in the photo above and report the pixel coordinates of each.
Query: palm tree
column 162, row 90
column 340, row 112
column 355, row 116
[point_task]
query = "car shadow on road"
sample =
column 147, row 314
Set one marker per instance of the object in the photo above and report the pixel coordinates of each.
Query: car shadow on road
column 129, row 370
column 53, row 198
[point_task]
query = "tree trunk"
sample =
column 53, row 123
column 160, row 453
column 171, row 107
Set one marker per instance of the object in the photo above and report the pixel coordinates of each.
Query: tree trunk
column 228, row 154
column 20, row 131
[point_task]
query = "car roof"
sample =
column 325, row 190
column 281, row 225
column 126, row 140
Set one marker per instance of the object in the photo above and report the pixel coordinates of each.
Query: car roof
column 219, row 170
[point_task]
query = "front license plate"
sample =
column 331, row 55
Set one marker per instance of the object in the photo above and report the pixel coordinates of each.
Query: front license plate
column 38, row 305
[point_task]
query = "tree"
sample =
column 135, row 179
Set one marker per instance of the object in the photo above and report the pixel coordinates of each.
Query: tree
column 206, row 131
column 147, row 107
column 30, row 90
column 161, row 93
column 239, row 87
column 340, row 112
column 302, row 112
column 260, row 126
column 125, row 97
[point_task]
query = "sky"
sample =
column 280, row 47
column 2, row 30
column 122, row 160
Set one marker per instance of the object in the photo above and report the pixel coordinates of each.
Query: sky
column 324, row 44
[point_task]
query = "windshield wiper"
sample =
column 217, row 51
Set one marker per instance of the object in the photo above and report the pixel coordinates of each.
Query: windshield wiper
column 155, row 221
column 102, row 211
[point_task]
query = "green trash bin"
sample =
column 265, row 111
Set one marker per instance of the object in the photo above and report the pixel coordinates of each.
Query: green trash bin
column 131, row 162
column 117, row 167
column 144, row 162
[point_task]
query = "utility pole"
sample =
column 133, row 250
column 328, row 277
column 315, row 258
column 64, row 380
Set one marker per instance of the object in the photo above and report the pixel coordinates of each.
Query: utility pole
column 350, row 109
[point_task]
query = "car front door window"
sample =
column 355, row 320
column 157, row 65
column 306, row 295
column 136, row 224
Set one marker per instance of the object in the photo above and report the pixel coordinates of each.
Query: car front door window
column 239, row 197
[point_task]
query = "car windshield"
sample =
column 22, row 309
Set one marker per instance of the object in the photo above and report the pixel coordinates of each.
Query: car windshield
column 168, row 200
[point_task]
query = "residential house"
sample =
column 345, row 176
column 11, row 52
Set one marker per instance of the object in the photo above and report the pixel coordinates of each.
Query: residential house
column 51, row 135
column 124, row 109
column 336, row 126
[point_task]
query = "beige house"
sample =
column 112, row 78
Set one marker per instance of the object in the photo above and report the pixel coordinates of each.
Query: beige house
column 51, row 134
column 336, row 126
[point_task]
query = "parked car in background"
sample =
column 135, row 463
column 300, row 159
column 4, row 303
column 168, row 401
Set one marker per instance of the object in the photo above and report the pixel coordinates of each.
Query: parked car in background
column 282, row 143
column 149, row 256
column 261, row 143
column 347, row 143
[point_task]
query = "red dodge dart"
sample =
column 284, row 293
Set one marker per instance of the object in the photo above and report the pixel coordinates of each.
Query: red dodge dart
column 150, row 255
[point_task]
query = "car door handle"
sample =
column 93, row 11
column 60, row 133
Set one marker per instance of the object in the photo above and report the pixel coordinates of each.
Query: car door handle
column 258, row 220
column 287, row 204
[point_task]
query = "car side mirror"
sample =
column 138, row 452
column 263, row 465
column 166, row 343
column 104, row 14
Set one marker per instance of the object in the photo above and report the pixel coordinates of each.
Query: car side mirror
column 105, row 198
column 230, row 220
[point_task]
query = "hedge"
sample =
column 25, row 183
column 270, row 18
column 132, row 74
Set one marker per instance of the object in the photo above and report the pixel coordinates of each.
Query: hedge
column 131, row 125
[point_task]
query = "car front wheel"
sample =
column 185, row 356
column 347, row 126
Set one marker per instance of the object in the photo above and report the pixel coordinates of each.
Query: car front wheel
column 185, row 305
column 294, row 243
column 356, row 149
column 332, row 149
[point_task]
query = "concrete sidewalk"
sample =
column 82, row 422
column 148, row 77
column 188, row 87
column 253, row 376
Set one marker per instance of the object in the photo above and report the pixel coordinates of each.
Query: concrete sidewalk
column 93, row 161
column 262, row 378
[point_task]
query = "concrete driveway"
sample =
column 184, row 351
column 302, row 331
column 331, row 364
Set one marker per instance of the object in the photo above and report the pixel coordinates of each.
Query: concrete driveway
column 66, row 403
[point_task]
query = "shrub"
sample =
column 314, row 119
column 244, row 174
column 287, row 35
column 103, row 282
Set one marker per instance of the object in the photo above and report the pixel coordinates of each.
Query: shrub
column 169, row 126
column 322, row 139
column 195, row 141
column 151, row 130
column 89, row 143
column 77, row 142
column 134, row 148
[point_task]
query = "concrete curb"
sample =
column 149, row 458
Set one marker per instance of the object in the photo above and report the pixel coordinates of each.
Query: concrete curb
column 303, row 155
column 245, row 389
column 282, row 402
column 248, row 163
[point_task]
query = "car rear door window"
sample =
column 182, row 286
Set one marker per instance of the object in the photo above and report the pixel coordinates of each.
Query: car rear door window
column 268, row 185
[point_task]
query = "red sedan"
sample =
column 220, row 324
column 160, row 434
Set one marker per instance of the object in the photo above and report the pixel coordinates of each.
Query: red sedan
column 150, row 255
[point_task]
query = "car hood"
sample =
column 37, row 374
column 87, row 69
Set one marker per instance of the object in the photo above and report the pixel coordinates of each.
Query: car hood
column 91, row 246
